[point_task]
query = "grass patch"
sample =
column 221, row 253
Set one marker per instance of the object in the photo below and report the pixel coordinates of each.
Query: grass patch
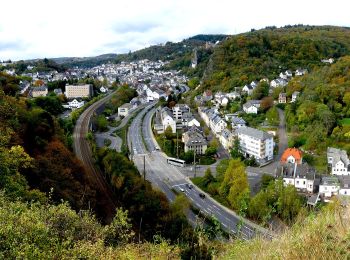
column 345, row 121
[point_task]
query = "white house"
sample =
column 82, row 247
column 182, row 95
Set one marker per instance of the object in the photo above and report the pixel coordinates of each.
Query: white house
column 329, row 187
column 237, row 122
column 193, row 122
column 74, row 104
column 301, row 176
column 338, row 161
column 248, row 89
column 300, row 72
column 217, row 124
column 179, row 110
column 226, row 138
column 167, row 119
column 295, row 96
column 233, row 95
column 124, row 109
column 252, row 106
column 103, row 89
column 256, row 143
column 279, row 82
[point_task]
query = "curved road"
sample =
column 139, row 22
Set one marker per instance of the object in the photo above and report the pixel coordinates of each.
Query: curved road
column 82, row 150
column 168, row 177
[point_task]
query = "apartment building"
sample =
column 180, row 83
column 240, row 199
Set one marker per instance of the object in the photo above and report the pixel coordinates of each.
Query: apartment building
column 256, row 143
column 78, row 91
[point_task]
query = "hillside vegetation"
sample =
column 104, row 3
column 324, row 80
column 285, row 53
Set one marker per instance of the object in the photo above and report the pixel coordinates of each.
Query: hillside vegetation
column 319, row 117
column 265, row 53
column 322, row 236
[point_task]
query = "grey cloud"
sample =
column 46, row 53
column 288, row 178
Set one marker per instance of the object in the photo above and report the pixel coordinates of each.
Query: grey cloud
column 134, row 26
column 11, row 45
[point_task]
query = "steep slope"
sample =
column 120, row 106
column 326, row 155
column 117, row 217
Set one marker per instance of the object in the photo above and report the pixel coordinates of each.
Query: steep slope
column 321, row 236
column 264, row 53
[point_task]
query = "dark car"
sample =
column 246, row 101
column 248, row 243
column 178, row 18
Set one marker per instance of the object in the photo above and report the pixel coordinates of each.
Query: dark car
column 190, row 186
column 201, row 195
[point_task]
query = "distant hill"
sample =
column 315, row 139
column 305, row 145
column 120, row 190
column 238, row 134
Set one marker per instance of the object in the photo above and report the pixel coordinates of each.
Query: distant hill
column 86, row 61
column 264, row 53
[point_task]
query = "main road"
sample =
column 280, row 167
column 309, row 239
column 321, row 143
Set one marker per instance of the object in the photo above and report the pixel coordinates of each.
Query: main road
column 82, row 150
column 167, row 177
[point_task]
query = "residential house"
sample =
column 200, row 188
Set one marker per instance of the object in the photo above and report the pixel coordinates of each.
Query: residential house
column 248, row 88
column 194, row 140
column 330, row 60
column 124, row 109
column 233, row 95
column 292, row 155
column 58, row 91
column 300, row 72
column 295, row 96
column 167, row 119
column 189, row 120
column 207, row 95
column 282, row 98
column 74, row 104
column 237, row 122
column 252, row 106
column 226, row 138
column 78, row 91
column 301, row 176
column 279, row 82
column 344, row 185
column 338, row 161
column 217, row 124
column 329, row 187
column 255, row 143
column 179, row 110
column 103, row 89
column 39, row 91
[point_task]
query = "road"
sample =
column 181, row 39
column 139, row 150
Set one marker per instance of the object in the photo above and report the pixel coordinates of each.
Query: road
column 167, row 177
column 82, row 150
column 116, row 141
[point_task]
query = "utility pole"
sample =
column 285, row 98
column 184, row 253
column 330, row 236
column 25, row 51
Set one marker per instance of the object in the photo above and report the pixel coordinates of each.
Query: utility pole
column 194, row 162
column 144, row 167
column 177, row 144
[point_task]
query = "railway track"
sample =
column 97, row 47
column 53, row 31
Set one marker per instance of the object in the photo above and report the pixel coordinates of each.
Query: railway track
column 81, row 147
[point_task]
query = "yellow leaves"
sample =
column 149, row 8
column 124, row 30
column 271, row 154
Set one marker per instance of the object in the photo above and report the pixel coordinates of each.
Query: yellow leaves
column 19, row 157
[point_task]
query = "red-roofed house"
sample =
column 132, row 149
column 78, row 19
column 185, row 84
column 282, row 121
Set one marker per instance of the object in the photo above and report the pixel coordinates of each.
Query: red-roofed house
column 292, row 155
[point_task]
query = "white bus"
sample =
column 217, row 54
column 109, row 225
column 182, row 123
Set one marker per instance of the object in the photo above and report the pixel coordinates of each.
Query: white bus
column 176, row 162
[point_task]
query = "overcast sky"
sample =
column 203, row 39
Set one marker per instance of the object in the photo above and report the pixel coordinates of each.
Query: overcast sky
column 38, row 28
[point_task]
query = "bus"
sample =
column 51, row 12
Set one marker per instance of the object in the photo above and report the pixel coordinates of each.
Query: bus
column 176, row 162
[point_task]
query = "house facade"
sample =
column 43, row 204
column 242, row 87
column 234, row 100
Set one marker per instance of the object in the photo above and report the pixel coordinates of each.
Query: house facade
column 78, row 91
column 252, row 106
column 194, row 140
column 338, row 161
column 255, row 143
column 124, row 109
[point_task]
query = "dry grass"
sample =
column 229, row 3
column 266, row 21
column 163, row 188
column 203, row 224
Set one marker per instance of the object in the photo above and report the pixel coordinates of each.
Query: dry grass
column 322, row 236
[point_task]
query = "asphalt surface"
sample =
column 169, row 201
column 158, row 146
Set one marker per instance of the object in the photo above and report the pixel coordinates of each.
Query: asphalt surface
column 116, row 141
column 166, row 177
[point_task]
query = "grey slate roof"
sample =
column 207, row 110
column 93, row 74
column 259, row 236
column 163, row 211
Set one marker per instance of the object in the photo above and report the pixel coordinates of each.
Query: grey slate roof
column 255, row 133
column 338, row 155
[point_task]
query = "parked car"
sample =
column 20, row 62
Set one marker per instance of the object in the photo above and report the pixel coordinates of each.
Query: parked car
column 182, row 190
column 201, row 195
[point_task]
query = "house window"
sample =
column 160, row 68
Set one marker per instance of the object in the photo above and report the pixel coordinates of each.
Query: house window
column 303, row 182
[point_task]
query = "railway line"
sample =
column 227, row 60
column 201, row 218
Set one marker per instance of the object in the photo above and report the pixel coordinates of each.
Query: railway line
column 82, row 149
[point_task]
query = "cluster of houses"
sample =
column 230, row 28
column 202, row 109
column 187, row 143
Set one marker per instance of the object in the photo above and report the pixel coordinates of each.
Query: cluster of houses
column 252, row 142
column 304, row 178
